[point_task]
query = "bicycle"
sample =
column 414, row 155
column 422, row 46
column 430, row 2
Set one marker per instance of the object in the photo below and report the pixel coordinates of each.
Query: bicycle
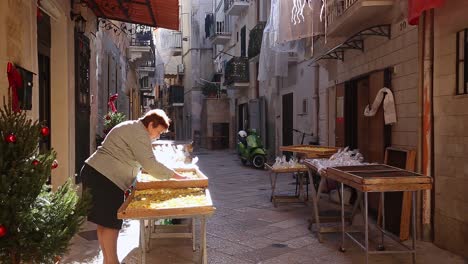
column 302, row 175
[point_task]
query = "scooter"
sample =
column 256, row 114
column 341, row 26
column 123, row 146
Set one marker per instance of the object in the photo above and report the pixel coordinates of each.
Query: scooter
column 250, row 149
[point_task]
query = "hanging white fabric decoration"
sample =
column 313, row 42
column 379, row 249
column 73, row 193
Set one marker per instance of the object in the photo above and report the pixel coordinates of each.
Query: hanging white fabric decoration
column 297, row 11
column 388, row 106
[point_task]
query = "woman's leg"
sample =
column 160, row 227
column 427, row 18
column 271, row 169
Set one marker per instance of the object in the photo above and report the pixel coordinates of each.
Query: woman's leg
column 108, row 241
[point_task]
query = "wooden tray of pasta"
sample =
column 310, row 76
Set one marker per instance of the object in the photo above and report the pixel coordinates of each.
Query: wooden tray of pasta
column 166, row 202
column 196, row 178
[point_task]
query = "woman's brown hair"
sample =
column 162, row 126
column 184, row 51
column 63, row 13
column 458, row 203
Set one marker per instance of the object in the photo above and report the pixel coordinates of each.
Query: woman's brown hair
column 157, row 116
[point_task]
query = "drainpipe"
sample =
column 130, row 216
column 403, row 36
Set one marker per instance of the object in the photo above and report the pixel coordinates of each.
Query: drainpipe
column 420, row 115
column 427, row 122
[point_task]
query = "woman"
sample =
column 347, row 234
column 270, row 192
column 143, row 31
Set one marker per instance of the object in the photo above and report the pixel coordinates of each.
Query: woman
column 110, row 170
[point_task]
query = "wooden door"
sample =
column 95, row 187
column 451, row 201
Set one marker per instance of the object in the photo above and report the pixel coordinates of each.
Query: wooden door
column 376, row 124
column 243, row 42
column 369, row 132
column 82, row 102
column 339, row 120
column 363, row 134
column 287, row 120
column 44, row 43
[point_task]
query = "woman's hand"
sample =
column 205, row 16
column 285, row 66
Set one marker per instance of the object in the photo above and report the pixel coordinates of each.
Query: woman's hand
column 177, row 176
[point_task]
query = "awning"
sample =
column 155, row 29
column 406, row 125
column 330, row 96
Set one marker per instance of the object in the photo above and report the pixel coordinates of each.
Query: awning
column 154, row 13
column 355, row 42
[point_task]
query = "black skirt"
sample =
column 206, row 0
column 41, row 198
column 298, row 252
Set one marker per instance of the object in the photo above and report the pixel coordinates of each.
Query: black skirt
column 106, row 198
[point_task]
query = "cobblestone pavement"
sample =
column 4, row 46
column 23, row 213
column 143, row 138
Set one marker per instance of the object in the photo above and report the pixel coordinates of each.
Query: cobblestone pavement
column 246, row 228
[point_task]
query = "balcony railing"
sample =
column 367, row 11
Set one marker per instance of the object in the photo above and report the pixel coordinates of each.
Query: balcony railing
column 140, row 42
column 347, row 15
column 220, row 28
column 144, row 35
column 142, row 38
column 149, row 63
column 336, row 8
column 235, row 7
column 255, row 39
column 217, row 31
column 237, row 71
column 176, row 95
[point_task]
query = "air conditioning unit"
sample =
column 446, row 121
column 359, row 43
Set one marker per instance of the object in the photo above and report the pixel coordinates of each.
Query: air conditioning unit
column 180, row 68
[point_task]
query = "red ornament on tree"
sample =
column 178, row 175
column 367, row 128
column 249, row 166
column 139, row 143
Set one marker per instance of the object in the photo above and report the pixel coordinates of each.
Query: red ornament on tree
column 108, row 117
column 54, row 164
column 35, row 162
column 45, row 131
column 3, row 230
column 11, row 138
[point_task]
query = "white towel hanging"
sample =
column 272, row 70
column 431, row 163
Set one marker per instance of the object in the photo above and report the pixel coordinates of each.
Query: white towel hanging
column 388, row 106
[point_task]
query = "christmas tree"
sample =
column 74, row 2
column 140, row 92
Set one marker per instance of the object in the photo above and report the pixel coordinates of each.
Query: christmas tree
column 36, row 224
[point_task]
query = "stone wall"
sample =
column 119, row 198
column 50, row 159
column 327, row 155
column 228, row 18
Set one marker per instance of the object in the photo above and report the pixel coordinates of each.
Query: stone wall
column 451, row 134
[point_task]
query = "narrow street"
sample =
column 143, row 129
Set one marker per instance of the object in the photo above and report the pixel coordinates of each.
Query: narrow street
column 246, row 228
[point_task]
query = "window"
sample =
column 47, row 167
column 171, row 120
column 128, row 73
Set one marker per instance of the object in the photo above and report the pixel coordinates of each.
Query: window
column 144, row 82
column 462, row 62
column 243, row 41
column 304, row 106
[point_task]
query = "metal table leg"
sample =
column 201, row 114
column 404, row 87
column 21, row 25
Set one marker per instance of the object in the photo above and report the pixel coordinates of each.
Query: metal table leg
column 203, row 240
column 193, row 234
column 382, row 234
column 342, row 248
column 413, row 228
column 366, row 226
column 142, row 241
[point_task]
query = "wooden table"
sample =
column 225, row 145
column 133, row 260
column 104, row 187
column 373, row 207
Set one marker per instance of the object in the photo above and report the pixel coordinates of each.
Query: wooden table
column 379, row 178
column 311, row 151
column 274, row 172
column 317, row 220
column 151, row 215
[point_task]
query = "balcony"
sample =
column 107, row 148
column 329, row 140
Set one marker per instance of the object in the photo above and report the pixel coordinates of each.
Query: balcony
column 140, row 46
column 236, row 73
column 235, row 7
column 345, row 17
column 255, row 39
column 219, row 33
column 146, row 68
column 176, row 95
column 175, row 43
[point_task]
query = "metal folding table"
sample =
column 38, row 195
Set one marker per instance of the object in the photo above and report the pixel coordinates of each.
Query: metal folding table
column 379, row 178
column 318, row 219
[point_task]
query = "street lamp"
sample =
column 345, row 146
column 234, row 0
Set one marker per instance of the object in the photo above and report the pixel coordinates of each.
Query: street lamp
column 80, row 22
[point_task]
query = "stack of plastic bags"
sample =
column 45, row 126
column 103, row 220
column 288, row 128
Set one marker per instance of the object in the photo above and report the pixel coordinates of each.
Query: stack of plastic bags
column 344, row 157
column 281, row 163
column 174, row 156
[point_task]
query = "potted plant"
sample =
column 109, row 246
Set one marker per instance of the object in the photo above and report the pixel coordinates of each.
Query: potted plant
column 210, row 90
column 112, row 119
